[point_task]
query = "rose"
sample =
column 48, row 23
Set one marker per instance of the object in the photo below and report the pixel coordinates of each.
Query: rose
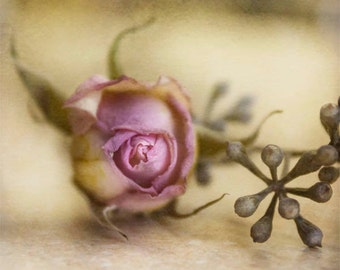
column 133, row 143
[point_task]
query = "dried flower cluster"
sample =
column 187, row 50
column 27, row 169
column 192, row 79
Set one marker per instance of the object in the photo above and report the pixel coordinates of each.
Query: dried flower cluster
column 212, row 130
column 289, row 208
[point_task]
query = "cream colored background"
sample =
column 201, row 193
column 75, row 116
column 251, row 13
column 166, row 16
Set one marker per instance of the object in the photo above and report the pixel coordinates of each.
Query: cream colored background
column 286, row 62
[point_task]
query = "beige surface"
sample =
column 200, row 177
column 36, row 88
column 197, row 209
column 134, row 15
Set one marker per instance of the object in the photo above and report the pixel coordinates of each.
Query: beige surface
column 286, row 63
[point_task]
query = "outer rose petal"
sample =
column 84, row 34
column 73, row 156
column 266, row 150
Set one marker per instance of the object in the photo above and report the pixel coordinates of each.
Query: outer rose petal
column 98, row 180
column 185, row 137
column 83, row 104
column 140, row 202
column 89, row 146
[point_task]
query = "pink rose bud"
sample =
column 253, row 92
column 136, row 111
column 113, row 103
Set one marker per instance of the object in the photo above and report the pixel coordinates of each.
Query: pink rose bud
column 133, row 143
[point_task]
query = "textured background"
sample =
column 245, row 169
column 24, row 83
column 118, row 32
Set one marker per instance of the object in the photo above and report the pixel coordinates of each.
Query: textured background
column 281, row 52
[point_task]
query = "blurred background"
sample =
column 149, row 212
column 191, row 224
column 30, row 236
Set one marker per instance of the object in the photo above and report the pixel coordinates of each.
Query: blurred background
column 284, row 53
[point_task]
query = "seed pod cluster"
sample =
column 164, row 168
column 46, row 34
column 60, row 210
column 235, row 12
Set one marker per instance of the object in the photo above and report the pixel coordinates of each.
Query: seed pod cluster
column 288, row 208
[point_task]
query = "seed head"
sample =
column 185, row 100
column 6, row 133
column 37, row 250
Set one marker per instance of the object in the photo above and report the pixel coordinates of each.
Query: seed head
column 330, row 117
column 289, row 208
column 262, row 229
column 326, row 155
column 320, row 192
column 310, row 234
column 235, row 150
column 272, row 155
column 247, row 205
column 329, row 174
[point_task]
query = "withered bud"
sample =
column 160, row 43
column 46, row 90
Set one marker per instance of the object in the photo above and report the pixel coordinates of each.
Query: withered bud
column 272, row 156
column 320, row 192
column 310, row 234
column 235, row 151
column 247, row 205
column 289, row 208
column 330, row 117
column 203, row 172
column 218, row 124
column 241, row 112
column 329, row 174
column 326, row 155
column 220, row 89
column 262, row 229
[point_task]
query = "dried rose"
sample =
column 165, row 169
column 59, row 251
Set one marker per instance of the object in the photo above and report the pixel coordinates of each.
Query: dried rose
column 133, row 144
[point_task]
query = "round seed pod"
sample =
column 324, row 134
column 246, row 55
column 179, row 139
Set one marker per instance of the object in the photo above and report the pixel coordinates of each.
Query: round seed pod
column 289, row 208
column 262, row 229
column 247, row 205
column 329, row 174
column 320, row 192
column 235, row 150
column 310, row 234
column 326, row 155
column 272, row 155
column 330, row 117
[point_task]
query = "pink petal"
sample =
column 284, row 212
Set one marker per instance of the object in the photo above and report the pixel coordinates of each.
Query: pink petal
column 153, row 162
column 83, row 104
column 185, row 137
column 124, row 108
column 134, row 111
column 94, row 83
column 139, row 202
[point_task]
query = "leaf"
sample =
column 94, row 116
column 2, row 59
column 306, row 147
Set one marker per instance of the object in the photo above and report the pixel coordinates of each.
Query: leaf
column 44, row 94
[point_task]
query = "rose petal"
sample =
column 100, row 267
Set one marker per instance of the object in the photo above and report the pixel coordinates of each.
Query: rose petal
column 185, row 138
column 140, row 202
column 168, row 85
column 137, row 112
column 144, row 167
column 89, row 146
column 83, row 104
column 116, row 141
column 98, row 179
